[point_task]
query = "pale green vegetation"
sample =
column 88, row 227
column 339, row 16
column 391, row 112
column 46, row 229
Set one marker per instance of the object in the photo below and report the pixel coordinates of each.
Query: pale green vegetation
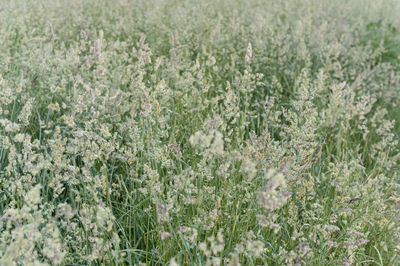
column 246, row 132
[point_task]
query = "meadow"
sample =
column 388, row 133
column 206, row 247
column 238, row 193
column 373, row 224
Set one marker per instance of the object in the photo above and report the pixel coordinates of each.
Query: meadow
column 224, row 132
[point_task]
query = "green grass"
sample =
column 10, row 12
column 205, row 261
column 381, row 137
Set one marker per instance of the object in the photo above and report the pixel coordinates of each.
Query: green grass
column 199, row 132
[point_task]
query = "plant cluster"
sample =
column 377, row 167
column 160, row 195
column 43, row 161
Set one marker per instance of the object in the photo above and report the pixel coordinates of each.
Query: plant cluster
column 226, row 132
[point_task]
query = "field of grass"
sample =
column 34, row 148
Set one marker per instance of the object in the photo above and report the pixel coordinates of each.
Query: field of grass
column 223, row 132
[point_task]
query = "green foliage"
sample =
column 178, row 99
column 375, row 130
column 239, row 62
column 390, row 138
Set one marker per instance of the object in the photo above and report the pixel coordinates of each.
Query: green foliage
column 199, row 132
